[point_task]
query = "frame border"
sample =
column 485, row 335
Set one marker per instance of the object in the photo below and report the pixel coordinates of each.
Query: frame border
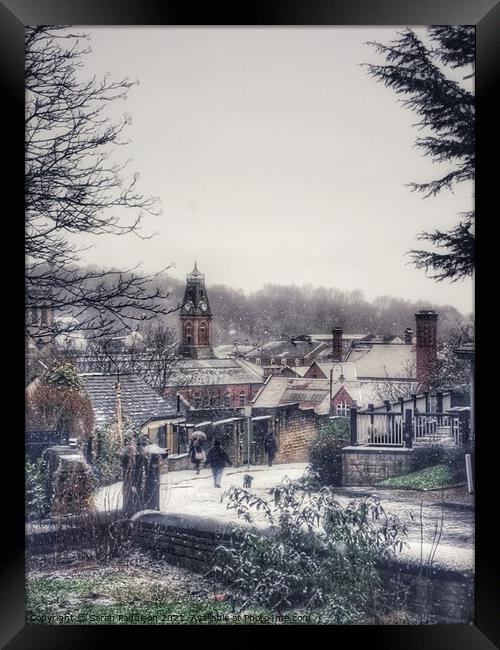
column 485, row 15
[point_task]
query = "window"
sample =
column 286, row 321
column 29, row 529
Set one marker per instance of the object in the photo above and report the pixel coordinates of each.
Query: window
column 283, row 361
column 197, row 400
column 257, row 361
column 242, row 398
column 188, row 334
column 203, row 334
column 272, row 361
column 343, row 409
column 297, row 362
column 227, row 399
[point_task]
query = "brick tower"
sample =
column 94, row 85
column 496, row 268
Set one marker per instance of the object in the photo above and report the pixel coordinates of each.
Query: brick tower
column 426, row 344
column 195, row 319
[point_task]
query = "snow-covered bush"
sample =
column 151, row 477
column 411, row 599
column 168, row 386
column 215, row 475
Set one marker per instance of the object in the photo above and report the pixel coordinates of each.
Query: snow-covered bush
column 320, row 555
column 325, row 452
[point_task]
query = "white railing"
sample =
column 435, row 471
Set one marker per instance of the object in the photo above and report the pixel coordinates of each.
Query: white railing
column 381, row 429
column 390, row 428
column 437, row 428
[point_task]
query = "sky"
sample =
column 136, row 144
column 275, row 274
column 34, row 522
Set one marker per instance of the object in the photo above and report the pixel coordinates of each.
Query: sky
column 276, row 159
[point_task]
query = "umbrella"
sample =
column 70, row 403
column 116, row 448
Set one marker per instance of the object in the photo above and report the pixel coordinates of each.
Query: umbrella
column 200, row 435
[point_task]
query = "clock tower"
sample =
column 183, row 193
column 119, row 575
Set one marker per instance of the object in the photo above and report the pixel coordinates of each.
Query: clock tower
column 195, row 319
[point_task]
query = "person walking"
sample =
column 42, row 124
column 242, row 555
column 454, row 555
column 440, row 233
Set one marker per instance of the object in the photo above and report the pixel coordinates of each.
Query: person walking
column 270, row 447
column 217, row 459
column 197, row 453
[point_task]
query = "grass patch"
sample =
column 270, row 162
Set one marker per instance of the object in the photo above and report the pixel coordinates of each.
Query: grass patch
column 428, row 478
column 71, row 601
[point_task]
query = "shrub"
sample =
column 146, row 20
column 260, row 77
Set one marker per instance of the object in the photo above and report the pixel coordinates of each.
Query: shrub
column 426, row 456
column 451, row 457
column 325, row 452
column 37, row 497
column 59, row 401
column 107, row 462
column 318, row 555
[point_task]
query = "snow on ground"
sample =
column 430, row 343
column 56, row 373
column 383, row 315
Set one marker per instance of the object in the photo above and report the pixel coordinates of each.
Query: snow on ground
column 184, row 492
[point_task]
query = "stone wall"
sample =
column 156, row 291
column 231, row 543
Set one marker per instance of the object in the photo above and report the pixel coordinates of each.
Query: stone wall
column 294, row 429
column 367, row 465
column 185, row 540
column 444, row 596
column 176, row 462
column 69, row 480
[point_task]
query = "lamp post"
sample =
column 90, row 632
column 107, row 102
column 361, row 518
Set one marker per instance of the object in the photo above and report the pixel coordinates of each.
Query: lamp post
column 118, row 394
column 341, row 378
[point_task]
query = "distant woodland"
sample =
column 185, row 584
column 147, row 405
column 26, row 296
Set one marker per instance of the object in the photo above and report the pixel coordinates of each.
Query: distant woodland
column 278, row 311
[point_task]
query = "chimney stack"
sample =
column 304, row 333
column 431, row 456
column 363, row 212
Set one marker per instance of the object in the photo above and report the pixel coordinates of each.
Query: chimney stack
column 408, row 336
column 337, row 344
column 426, row 344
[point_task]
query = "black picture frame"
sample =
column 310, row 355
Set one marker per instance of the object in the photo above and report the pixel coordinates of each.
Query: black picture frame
column 485, row 15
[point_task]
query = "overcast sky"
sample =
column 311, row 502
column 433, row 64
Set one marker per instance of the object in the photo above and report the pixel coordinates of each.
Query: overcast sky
column 276, row 159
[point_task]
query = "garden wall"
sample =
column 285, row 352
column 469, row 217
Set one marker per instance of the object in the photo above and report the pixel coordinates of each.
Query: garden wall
column 367, row 465
column 189, row 541
column 176, row 462
column 445, row 594
column 186, row 540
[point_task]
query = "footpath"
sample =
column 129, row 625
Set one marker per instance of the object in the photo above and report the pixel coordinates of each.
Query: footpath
column 185, row 492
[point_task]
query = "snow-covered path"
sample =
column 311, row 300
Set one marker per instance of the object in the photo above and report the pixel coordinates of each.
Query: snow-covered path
column 184, row 492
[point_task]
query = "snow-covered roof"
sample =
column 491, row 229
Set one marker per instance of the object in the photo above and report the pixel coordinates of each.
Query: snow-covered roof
column 382, row 361
column 139, row 402
column 213, row 372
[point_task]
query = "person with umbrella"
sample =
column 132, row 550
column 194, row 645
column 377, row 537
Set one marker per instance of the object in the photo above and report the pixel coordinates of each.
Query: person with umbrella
column 197, row 449
column 217, row 458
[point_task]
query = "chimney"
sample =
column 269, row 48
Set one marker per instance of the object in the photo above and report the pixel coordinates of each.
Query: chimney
column 408, row 336
column 426, row 345
column 337, row 344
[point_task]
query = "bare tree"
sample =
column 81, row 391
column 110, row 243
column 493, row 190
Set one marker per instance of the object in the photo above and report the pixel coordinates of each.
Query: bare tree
column 160, row 356
column 401, row 385
column 74, row 186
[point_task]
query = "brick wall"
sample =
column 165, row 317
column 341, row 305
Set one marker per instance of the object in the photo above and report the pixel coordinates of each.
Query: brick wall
column 186, row 540
column 367, row 465
column 295, row 431
column 446, row 595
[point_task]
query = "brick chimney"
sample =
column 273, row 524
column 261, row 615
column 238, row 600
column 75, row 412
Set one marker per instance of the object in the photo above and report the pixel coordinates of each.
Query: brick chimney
column 337, row 344
column 408, row 336
column 426, row 344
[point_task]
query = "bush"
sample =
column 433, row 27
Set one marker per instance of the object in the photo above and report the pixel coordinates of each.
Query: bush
column 451, row 457
column 325, row 452
column 319, row 555
column 426, row 456
column 107, row 462
column 37, row 497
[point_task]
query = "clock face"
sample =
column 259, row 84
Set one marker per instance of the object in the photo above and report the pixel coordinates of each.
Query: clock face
column 188, row 306
column 203, row 306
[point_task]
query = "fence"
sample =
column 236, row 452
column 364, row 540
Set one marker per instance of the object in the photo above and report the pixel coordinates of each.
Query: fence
column 396, row 429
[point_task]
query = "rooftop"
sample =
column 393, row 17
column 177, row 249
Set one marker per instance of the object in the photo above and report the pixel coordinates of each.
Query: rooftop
column 383, row 361
column 286, row 349
column 210, row 372
column 139, row 402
